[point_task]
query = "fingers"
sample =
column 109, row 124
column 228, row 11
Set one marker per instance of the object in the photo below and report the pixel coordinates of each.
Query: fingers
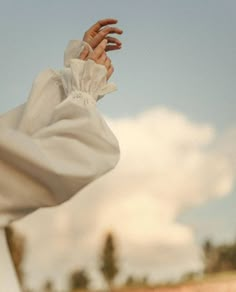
column 109, row 67
column 107, row 63
column 100, row 23
column 100, row 49
column 112, row 48
column 112, row 40
column 110, row 29
column 110, row 72
column 84, row 54
column 114, row 44
column 102, row 59
column 102, row 34
column 98, row 55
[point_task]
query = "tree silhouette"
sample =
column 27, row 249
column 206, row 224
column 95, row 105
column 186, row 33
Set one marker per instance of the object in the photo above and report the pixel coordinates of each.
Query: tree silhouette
column 48, row 286
column 130, row 281
column 16, row 243
column 79, row 280
column 133, row 282
column 219, row 258
column 109, row 265
column 210, row 256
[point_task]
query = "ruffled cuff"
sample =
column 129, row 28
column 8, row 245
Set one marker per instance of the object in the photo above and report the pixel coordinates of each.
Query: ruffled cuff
column 73, row 50
column 85, row 80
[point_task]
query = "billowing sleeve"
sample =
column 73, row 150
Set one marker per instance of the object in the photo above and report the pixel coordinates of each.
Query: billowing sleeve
column 57, row 142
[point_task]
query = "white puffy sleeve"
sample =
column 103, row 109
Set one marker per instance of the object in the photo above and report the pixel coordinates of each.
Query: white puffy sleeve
column 57, row 142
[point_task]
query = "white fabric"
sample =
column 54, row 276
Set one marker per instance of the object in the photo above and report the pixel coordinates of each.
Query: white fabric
column 55, row 144
column 58, row 146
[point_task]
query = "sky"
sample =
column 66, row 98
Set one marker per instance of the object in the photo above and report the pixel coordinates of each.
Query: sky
column 173, row 114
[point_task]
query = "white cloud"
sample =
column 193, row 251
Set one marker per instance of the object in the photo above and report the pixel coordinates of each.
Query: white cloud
column 168, row 164
column 227, row 145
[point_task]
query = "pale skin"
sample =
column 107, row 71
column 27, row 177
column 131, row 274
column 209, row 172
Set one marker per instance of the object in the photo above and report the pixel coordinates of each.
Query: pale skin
column 99, row 39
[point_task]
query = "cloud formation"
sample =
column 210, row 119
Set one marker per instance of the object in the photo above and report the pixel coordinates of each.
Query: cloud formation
column 168, row 163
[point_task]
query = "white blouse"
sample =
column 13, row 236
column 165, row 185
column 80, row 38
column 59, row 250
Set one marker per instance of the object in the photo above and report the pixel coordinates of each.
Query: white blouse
column 57, row 142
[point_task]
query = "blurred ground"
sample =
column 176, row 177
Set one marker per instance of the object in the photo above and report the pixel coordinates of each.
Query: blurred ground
column 225, row 282
column 209, row 287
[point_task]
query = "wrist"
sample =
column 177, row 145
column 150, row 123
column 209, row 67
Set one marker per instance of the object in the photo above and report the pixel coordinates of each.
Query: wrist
column 74, row 49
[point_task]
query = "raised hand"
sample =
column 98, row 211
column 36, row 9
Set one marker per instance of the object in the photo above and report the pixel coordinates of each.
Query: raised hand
column 101, row 30
column 99, row 56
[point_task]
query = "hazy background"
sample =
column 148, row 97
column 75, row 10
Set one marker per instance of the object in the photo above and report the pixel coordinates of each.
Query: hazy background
column 174, row 115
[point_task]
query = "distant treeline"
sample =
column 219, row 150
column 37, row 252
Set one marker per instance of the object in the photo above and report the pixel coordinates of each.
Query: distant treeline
column 108, row 263
column 219, row 258
column 216, row 258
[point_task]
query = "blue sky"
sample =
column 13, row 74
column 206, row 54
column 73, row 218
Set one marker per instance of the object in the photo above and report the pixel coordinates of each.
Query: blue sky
column 184, row 50
column 177, row 54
